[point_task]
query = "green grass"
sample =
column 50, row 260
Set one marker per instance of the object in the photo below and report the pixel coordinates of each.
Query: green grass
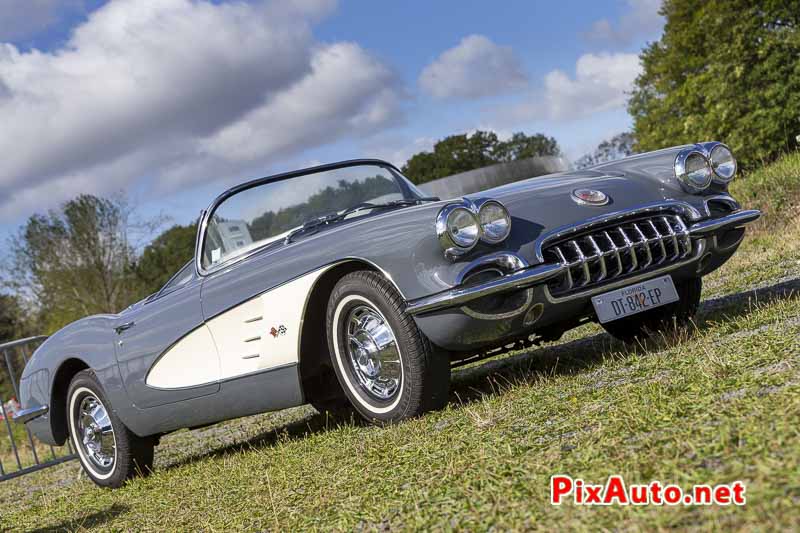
column 774, row 189
column 714, row 406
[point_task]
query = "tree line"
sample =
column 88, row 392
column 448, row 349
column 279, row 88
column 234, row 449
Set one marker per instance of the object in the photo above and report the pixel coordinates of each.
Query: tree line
column 81, row 260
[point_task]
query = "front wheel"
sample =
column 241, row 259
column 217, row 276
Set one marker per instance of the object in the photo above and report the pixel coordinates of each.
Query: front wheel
column 667, row 318
column 108, row 451
column 385, row 365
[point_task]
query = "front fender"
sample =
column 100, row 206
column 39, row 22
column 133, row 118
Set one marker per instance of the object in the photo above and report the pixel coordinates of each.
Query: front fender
column 87, row 343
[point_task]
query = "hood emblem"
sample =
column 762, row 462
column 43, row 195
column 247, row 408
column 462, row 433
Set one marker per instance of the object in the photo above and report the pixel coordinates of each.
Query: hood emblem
column 589, row 197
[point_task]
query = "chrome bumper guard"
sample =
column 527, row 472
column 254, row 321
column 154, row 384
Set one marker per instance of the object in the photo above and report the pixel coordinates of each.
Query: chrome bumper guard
column 538, row 274
column 26, row 415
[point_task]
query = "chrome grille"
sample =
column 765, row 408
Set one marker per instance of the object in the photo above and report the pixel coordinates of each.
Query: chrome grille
column 614, row 252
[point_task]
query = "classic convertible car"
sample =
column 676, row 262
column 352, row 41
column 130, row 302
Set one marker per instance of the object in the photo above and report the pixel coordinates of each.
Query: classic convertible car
column 343, row 285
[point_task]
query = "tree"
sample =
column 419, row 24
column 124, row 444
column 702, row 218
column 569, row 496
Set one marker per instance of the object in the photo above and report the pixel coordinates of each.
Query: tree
column 11, row 318
column 76, row 261
column 722, row 70
column 163, row 257
column 461, row 153
column 521, row 146
column 619, row 146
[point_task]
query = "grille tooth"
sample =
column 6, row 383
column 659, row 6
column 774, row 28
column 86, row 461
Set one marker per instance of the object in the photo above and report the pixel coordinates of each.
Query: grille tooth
column 583, row 263
column 570, row 282
column 684, row 236
column 645, row 243
column 660, row 240
column 615, row 251
column 618, row 251
column 674, row 237
column 629, row 245
column 601, row 258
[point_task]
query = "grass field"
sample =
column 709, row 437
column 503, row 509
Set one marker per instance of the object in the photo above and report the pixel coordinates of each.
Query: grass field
column 714, row 405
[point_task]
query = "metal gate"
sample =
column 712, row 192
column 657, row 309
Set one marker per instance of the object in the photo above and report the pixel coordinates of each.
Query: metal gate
column 21, row 453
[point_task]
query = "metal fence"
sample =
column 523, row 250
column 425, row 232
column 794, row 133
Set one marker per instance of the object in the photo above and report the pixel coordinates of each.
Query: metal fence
column 23, row 454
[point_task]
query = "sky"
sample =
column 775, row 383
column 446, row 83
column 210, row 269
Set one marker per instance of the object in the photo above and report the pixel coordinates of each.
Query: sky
column 172, row 101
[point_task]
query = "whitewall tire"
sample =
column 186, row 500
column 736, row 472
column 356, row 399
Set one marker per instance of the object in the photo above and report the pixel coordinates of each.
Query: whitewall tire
column 108, row 451
column 385, row 365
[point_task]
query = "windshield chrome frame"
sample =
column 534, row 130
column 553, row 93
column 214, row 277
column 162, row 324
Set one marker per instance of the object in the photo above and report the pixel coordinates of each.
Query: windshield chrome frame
column 408, row 192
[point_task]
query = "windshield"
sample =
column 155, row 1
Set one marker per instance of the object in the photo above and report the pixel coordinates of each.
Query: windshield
column 269, row 212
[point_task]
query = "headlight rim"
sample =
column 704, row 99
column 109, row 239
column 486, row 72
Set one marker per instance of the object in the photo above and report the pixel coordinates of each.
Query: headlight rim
column 484, row 236
column 449, row 245
column 716, row 178
column 682, row 175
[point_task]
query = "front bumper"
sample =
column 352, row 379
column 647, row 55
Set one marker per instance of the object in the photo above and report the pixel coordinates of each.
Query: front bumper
column 445, row 318
column 26, row 415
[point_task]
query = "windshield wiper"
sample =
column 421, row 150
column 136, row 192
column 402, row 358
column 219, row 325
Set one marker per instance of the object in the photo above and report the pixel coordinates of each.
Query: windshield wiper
column 316, row 223
column 396, row 203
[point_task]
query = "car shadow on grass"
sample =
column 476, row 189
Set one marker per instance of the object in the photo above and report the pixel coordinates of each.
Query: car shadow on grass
column 580, row 355
column 87, row 522
column 489, row 377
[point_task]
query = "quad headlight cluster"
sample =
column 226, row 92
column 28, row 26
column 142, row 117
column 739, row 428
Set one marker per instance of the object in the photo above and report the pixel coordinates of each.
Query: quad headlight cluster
column 698, row 166
column 461, row 225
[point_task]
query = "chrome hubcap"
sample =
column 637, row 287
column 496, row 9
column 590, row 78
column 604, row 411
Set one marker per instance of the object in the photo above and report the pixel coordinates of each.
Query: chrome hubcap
column 96, row 433
column 373, row 353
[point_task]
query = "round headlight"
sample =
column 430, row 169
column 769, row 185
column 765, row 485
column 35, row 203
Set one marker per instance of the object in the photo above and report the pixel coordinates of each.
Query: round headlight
column 463, row 228
column 723, row 163
column 458, row 229
column 495, row 222
column 693, row 171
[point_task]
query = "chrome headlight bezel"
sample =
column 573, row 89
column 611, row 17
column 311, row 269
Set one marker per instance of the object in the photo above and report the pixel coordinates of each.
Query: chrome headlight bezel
column 454, row 247
column 688, row 177
column 720, row 177
column 449, row 242
column 487, row 234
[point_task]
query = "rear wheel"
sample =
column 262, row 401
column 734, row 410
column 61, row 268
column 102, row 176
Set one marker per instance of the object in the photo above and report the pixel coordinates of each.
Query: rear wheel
column 108, row 451
column 667, row 318
column 387, row 368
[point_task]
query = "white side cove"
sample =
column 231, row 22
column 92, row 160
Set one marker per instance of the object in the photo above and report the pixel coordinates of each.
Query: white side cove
column 191, row 361
column 259, row 334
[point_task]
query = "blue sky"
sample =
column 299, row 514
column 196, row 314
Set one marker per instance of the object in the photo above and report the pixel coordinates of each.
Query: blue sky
column 172, row 101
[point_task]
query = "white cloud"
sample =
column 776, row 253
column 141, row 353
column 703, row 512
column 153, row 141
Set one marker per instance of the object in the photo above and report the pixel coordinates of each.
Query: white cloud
column 346, row 91
column 179, row 92
column 640, row 18
column 475, row 68
column 601, row 83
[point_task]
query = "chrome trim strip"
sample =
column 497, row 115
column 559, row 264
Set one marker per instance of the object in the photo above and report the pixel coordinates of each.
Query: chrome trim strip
column 458, row 296
column 734, row 220
column 26, row 415
column 232, row 378
column 254, row 319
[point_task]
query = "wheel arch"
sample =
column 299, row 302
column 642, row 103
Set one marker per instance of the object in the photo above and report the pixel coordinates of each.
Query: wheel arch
column 58, row 396
column 314, row 359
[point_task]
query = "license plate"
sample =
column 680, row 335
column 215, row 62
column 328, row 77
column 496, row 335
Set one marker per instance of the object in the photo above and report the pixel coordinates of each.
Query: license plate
column 634, row 299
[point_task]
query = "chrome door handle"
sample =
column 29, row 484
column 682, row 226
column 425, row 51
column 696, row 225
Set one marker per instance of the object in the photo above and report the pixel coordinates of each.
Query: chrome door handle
column 124, row 327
